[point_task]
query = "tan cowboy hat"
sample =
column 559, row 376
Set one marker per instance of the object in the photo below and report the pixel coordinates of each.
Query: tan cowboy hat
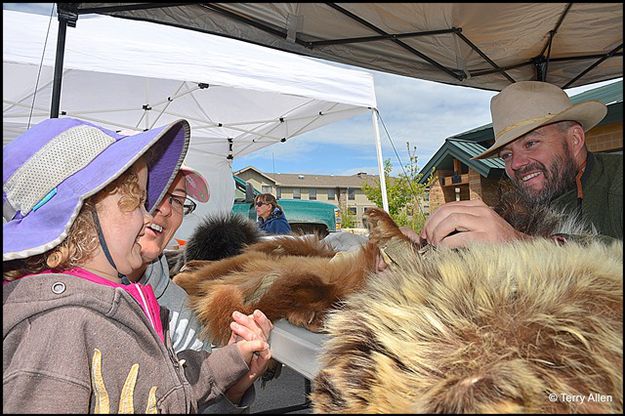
column 524, row 106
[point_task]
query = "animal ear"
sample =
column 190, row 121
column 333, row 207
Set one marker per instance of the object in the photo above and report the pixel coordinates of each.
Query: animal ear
column 382, row 227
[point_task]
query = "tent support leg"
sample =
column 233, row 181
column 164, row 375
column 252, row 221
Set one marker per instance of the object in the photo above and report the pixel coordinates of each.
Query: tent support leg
column 58, row 70
column 67, row 15
column 378, row 145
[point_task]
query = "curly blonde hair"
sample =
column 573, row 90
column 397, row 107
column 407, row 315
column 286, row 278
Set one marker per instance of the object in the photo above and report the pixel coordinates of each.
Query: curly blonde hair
column 81, row 242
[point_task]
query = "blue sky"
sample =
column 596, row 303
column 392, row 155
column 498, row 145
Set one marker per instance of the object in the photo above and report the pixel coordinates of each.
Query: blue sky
column 419, row 112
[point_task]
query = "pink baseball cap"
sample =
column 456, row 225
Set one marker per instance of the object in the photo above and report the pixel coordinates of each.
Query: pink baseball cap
column 197, row 186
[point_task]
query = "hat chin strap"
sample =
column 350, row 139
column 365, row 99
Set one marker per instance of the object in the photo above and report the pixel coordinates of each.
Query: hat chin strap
column 123, row 277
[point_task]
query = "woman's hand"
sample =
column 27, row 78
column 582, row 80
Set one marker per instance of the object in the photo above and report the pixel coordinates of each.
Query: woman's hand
column 251, row 334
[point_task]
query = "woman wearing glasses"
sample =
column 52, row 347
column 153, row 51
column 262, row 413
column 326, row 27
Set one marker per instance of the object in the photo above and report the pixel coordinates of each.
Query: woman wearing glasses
column 271, row 218
column 184, row 326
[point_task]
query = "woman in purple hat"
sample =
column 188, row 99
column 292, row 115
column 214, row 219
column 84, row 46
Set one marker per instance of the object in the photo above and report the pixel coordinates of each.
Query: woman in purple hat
column 79, row 337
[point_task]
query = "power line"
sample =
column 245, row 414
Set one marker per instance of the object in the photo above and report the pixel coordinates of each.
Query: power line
column 408, row 178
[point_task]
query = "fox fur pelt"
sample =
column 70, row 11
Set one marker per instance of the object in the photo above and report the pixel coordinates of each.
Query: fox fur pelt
column 296, row 278
column 524, row 327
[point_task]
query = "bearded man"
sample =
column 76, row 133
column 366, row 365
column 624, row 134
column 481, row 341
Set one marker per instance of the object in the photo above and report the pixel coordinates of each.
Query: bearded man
column 540, row 135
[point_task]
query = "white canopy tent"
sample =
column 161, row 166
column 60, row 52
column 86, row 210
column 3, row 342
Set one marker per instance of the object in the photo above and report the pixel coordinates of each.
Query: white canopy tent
column 481, row 45
column 126, row 74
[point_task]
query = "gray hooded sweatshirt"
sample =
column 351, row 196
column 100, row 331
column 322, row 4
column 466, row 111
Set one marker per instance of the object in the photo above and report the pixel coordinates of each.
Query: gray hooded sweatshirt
column 73, row 346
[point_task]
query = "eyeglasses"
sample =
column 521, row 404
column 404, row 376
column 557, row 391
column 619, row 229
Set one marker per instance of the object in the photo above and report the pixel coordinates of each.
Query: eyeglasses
column 261, row 203
column 181, row 204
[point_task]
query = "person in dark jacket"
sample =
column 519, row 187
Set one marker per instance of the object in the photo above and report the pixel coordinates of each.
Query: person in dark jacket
column 540, row 136
column 271, row 217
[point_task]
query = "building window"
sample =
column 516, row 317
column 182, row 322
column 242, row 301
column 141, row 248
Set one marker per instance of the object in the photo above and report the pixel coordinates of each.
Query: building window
column 297, row 193
column 351, row 194
column 278, row 193
column 312, row 194
column 352, row 210
column 331, row 194
column 266, row 189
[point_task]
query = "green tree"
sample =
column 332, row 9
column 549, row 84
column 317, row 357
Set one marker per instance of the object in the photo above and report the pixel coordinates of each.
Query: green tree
column 404, row 193
column 347, row 220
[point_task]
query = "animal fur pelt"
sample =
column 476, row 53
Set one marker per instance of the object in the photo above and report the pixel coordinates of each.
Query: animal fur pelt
column 525, row 327
column 297, row 278
column 489, row 328
column 215, row 238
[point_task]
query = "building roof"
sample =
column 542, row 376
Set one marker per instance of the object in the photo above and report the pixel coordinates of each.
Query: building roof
column 296, row 180
column 463, row 150
column 466, row 145
column 608, row 94
column 255, row 170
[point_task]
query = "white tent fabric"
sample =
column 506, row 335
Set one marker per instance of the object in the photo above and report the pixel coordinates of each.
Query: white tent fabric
column 126, row 74
column 468, row 44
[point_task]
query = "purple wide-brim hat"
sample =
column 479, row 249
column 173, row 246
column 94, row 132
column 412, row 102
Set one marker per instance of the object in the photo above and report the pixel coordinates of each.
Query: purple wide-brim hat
column 53, row 167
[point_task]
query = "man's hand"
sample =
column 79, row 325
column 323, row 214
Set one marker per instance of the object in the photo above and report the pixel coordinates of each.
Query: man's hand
column 251, row 334
column 455, row 224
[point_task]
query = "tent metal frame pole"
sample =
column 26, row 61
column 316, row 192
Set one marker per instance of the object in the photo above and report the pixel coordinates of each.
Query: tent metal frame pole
column 610, row 54
column 67, row 14
column 378, row 146
column 458, row 76
column 58, row 69
column 129, row 7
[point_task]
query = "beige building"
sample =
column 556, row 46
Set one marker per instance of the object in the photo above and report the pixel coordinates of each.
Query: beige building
column 342, row 191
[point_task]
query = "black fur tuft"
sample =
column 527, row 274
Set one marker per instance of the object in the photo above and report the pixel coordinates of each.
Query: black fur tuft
column 221, row 236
